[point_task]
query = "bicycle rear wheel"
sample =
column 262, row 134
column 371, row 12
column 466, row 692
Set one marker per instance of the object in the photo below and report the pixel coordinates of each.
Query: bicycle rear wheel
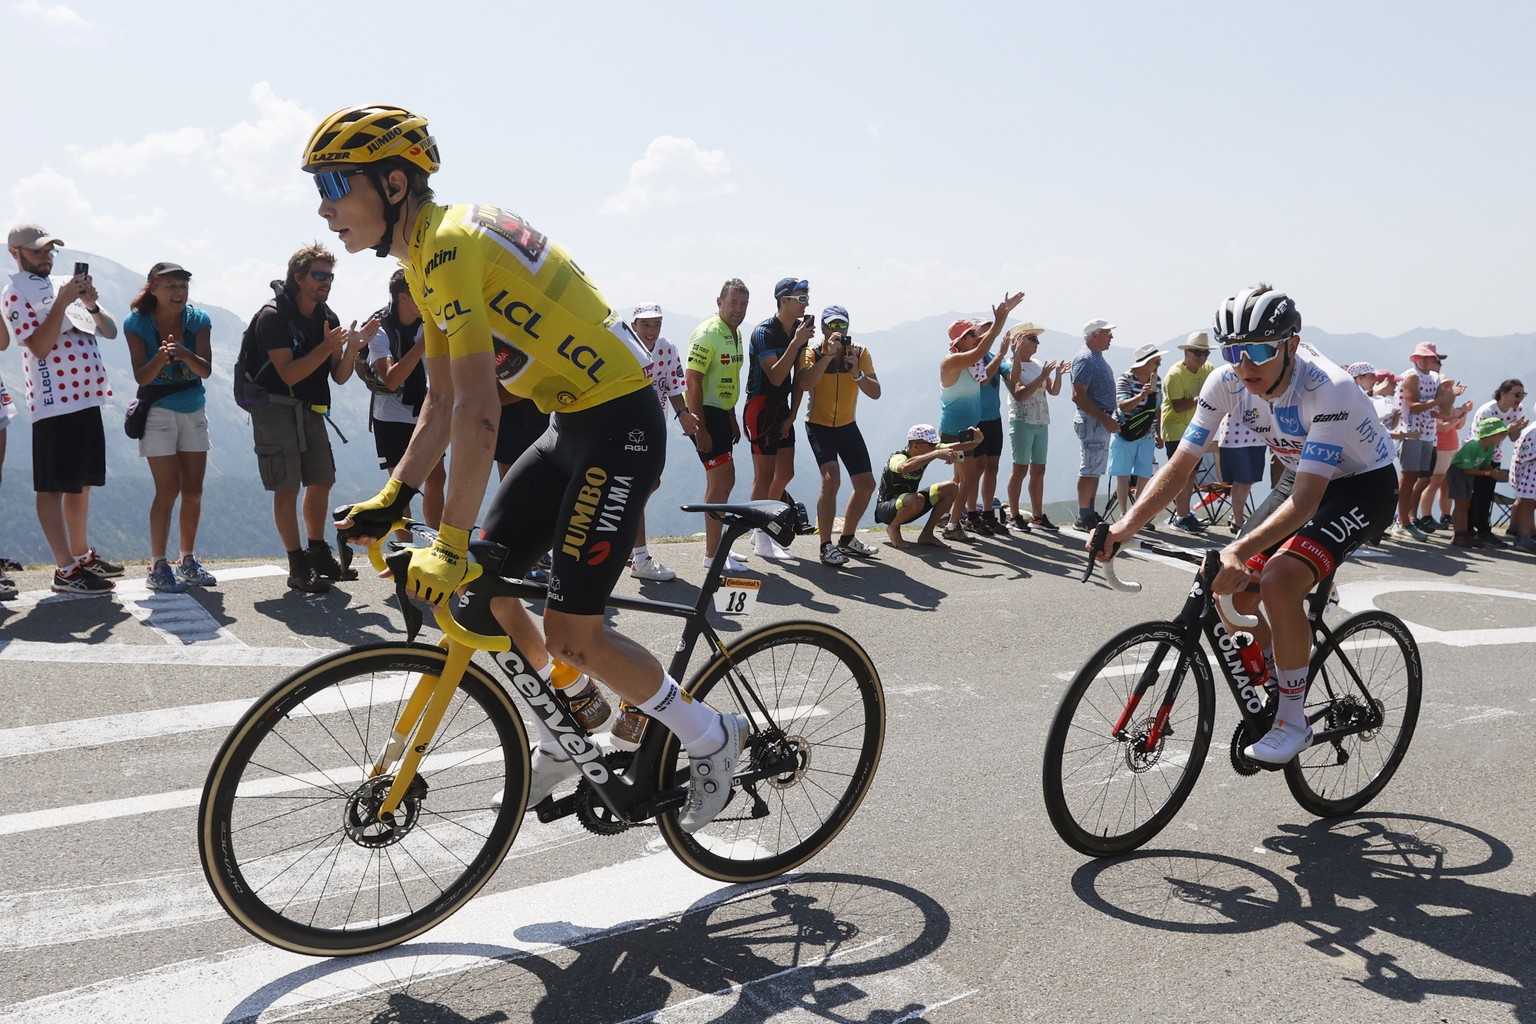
column 1366, row 675
column 827, row 726
column 288, row 843
column 1107, row 791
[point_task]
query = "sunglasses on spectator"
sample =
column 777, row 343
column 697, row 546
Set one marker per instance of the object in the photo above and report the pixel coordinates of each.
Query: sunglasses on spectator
column 333, row 184
column 322, row 276
column 1256, row 351
column 842, row 325
column 802, row 299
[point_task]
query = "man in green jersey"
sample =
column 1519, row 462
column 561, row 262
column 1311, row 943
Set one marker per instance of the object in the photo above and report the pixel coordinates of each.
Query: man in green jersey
column 713, row 381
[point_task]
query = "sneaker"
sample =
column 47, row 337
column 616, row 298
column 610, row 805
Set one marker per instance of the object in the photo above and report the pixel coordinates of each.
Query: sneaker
column 100, row 566
column 192, row 573
column 977, row 523
column 545, row 773
column 1411, row 529
column 998, row 523
column 858, row 548
column 733, row 563
column 1018, row 523
column 1280, row 745
column 648, row 568
column 831, row 554
column 1446, row 522
column 163, row 580
column 307, row 580
column 1189, row 524
column 9, row 565
column 323, row 561
column 8, row 588
column 1426, row 524
column 1465, row 540
column 709, row 778
column 1490, row 541
column 1043, row 522
column 1088, row 522
column 1526, row 545
column 955, row 533
column 81, row 581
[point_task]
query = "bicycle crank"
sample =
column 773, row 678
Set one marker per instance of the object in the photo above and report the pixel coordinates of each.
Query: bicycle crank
column 595, row 816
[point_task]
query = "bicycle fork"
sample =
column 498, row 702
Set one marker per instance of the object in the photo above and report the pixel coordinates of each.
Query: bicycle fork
column 1149, row 676
column 422, row 714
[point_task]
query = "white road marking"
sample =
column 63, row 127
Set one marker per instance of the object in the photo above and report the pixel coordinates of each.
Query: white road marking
column 1359, row 596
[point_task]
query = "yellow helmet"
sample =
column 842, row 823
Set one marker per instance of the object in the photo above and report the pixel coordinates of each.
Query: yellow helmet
column 369, row 133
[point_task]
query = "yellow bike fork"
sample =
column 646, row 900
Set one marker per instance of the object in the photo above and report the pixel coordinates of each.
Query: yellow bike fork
column 418, row 722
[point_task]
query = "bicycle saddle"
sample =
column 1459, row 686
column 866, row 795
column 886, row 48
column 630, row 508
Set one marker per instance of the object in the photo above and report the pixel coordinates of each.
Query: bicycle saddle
column 775, row 517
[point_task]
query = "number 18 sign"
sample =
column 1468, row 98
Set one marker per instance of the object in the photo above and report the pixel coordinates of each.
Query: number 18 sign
column 737, row 596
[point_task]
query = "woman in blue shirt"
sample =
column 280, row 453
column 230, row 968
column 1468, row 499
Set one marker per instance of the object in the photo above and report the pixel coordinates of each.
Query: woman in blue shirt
column 168, row 344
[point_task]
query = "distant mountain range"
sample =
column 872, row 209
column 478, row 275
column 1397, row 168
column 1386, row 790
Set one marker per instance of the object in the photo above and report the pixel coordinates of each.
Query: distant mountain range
column 237, row 519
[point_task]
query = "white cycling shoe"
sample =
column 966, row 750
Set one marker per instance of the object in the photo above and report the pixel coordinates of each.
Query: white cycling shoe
column 709, row 778
column 545, row 773
column 1280, row 745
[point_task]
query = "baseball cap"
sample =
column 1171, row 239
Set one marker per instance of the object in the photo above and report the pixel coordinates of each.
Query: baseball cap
column 1361, row 369
column 647, row 311
column 789, row 285
column 1489, row 426
column 959, row 327
column 174, row 269
column 834, row 313
column 1092, row 327
column 1145, row 354
column 923, row 432
column 31, row 236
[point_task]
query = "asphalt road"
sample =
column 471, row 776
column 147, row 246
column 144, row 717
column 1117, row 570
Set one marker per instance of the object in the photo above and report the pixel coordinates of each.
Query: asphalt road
column 948, row 899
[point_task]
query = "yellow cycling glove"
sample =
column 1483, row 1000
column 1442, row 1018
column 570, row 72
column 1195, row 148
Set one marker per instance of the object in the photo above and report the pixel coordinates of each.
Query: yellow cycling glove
column 379, row 513
column 437, row 571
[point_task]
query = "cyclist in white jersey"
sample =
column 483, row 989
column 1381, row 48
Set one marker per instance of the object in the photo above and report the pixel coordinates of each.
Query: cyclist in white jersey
column 1339, row 489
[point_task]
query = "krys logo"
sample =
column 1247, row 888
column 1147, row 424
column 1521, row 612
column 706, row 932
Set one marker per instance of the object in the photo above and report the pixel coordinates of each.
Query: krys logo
column 1289, row 419
column 599, row 508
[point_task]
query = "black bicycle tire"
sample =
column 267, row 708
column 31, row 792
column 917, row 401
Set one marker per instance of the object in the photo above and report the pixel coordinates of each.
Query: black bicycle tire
column 1096, row 841
column 219, row 850
column 1300, row 773
column 861, row 674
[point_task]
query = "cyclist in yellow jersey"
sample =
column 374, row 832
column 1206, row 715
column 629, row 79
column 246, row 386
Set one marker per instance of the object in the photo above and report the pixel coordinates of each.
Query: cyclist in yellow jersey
column 503, row 304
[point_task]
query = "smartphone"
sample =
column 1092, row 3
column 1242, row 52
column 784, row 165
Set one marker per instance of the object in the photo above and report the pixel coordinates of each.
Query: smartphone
column 807, row 320
column 81, row 269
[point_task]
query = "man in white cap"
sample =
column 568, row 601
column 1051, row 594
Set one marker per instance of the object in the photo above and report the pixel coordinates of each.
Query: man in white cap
column 1093, row 392
column 66, row 384
column 666, row 373
column 1180, row 389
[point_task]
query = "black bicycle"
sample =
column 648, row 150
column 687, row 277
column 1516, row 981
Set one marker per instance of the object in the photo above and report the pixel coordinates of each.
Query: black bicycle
column 1132, row 731
column 356, row 805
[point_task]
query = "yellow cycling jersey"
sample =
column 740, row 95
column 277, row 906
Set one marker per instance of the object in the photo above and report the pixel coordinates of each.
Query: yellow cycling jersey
column 487, row 282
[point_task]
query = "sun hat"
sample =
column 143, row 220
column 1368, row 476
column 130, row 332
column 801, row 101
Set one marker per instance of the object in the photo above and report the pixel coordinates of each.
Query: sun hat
column 1145, row 354
column 1426, row 350
column 923, row 432
column 1198, row 341
column 1361, row 369
column 1489, row 426
column 647, row 311
column 959, row 327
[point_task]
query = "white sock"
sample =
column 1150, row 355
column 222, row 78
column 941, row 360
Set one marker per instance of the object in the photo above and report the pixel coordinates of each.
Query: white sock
column 547, row 741
column 640, row 554
column 80, row 559
column 1291, row 711
column 697, row 727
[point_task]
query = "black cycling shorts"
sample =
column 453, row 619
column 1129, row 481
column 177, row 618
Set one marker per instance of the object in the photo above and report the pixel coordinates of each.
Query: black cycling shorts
column 1354, row 511
column 991, row 438
column 578, row 492
column 846, row 442
column 521, row 424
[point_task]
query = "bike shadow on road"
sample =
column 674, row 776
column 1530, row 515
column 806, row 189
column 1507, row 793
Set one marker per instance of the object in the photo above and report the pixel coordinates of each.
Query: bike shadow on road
column 823, row 943
column 334, row 616
column 1392, row 890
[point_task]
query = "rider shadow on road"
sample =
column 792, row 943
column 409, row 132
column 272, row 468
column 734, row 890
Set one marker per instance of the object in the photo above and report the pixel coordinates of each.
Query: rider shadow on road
column 335, row 616
column 801, row 943
column 1382, row 888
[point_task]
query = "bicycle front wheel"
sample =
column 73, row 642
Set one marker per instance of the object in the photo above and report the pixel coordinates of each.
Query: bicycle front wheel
column 1367, row 678
column 288, row 840
column 826, row 725
column 1121, row 756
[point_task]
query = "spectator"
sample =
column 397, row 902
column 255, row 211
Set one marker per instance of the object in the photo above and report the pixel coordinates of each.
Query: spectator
column 1522, row 479
column 835, row 374
column 1474, row 460
column 1381, row 386
column 8, row 588
column 1242, row 454
column 1180, row 390
column 961, row 374
column 66, row 387
column 900, row 500
column 982, row 512
column 1416, row 451
column 1138, row 395
column 1449, row 419
column 1093, row 392
column 712, row 377
column 306, row 348
column 395, row 352
column 1029, row 419
column 168, row 344
column 1505, row 406
column 772, row 401
column 666, row 373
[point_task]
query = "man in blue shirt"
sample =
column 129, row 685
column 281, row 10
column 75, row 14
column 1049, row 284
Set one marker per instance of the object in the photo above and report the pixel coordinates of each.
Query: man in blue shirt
column 1093, row 392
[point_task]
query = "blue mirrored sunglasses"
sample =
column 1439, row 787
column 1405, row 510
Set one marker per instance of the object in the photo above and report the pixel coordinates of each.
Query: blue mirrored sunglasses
column 333, row 184
column 1256, row 351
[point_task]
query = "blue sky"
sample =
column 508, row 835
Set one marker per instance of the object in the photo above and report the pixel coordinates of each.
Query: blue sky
column 1131, row 161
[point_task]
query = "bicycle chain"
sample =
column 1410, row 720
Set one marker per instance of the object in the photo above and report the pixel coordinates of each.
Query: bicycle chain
column 593, row 814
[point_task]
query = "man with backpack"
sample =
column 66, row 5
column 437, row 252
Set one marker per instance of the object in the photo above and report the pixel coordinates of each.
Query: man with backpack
column 294, row 347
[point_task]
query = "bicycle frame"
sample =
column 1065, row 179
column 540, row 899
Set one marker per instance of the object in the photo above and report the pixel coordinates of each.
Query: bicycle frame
column 631, row 801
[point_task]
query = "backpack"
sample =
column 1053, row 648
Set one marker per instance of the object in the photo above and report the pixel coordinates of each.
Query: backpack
column 253, row 360
column 413, row 391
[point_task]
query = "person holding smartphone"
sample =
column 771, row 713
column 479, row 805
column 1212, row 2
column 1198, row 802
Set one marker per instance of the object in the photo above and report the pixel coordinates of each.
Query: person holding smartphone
column 66, row 388
column 772, row 401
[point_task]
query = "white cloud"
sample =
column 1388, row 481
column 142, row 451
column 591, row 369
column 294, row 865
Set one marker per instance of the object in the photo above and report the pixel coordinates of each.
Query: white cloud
column 56, row 201
column 671, row 171
column 61, row 15
column 138, row 157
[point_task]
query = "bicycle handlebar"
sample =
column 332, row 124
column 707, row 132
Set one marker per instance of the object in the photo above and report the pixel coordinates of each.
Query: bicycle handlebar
column 1224, row 602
